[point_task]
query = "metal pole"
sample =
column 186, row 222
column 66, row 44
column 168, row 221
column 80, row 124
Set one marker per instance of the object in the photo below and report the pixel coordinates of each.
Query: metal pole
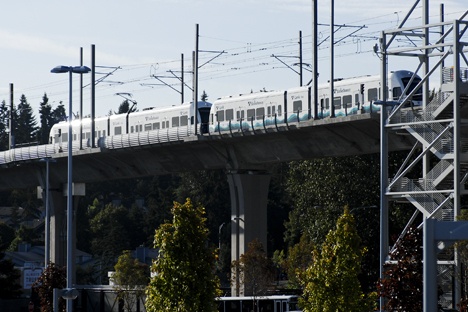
column 314, row 58
column 81, row 100
column 11, row 137
column 47, row 218
column 429, row 266
column 93, row 93
column 300, row 58
column 332, row 56
column 70, row 197
column 383, row 168
column 195, row 79
column 182, row 78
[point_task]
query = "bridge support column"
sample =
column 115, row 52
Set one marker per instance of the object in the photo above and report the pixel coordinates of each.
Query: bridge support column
column 249, row 198
column 58, row 222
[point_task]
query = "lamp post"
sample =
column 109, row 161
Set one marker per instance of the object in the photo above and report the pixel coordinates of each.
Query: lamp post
column 47, row 160
column 70, row 70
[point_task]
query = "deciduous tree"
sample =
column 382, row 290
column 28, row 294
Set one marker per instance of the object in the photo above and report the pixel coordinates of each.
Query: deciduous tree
column 331, row 283
column 130, row 279
column 183, row 274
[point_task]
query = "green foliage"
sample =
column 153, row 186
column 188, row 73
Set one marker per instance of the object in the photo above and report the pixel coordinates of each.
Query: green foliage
column 53, row 277
column 9, row 277
column 4, row 121
column 298, row 260
column 25, row 125
column 402, row 285
column 183, row 277
column 130, row 279
column 331, row 283
column 204, row 96
column 254, row 270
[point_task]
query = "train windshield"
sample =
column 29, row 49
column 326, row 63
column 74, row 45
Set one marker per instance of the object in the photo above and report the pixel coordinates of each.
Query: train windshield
column 416, row 96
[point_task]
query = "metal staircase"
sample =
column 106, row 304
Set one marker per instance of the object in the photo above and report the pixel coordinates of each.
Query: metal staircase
column 434, row 176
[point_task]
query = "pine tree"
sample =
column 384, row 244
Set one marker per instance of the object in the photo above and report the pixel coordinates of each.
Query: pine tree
column 46, row 119
column 331, row 283
column 4, row 121
column 26, row 125
column 184, row 278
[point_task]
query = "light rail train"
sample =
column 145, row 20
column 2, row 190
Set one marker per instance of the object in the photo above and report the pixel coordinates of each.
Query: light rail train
column 252, row 111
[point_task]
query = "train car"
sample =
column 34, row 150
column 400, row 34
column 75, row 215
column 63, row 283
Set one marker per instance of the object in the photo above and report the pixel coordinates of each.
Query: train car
column 278, row 303
column 145, row 120
column 351, row 96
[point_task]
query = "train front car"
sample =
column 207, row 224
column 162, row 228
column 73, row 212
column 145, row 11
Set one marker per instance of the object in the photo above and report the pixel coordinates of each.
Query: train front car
column 401, row 84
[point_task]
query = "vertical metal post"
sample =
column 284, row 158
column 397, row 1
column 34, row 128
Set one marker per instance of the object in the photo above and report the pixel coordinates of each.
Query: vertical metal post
column 457, row 49
column 442, row 48
column 81, row 100
column 182, row 78
column 195, row 79
column 47, row 217
column 332, row 56
column 93, row 93
column 383, row 167
column 429, row 267
column 11, row 136
column 314, row 58
column 300, row 58
column 70, row 196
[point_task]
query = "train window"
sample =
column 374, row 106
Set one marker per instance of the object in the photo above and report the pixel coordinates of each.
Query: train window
column 220, row 115
column 297, row 106
column 269, row 111
column 372, row 94
column 88, row 135
column 229, row 114
column 118, row 130
column 132, row 129
column 337, row 102
column 279, row 110
column 273, row 112
column 356, row 98
column 347, row 101
column 103, row 133
column 397, row 93
column 250, row 114
column 260, row 112
column 183, row 120
column 148, row 127
column 74, row 137
column 167, row 123
column 175, row 121
column 64, row 137
column 156, row 126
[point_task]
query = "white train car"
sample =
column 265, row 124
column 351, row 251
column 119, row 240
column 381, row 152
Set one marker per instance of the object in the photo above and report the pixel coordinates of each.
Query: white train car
column 146, row 120
column 351, row 96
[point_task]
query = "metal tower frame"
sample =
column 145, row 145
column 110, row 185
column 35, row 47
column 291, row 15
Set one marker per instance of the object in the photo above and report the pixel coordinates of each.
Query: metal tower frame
column 439, row 128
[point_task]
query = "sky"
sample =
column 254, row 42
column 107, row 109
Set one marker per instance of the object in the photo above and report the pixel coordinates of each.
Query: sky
column 245, row 46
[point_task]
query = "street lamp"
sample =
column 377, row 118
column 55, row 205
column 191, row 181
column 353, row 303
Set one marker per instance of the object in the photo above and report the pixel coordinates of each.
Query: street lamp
column 47, row 160
column 77, row 70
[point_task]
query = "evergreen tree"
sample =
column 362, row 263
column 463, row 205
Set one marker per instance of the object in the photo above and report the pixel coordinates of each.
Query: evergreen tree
column 59, row 114
column 4, row 122
column 26, row 125
column 46, row 119
column 331, row 283
column 204, row 96
column 183, row 277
